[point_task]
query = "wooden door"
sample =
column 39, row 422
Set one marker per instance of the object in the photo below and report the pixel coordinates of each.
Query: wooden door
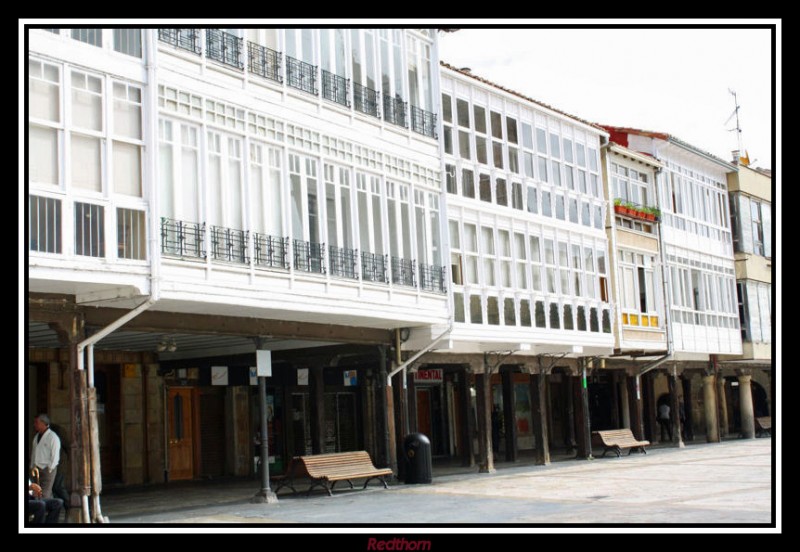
column 181, row 448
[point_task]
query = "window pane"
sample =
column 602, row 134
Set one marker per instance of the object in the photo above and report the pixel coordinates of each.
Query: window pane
column 480, row 119
column 131, row 241
column 128, row 41
column 127, row 169
column 43, row 155
column 462, row 109
column 475, row 313
column 86, row 162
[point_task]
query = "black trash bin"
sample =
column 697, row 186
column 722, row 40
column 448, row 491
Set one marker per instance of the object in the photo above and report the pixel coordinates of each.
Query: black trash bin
column 419, row 463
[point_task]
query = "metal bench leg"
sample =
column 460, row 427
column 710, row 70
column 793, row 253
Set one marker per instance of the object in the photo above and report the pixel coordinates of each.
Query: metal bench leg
column 618, row 451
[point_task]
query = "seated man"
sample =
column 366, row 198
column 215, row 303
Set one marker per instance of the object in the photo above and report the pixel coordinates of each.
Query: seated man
column 43, row 510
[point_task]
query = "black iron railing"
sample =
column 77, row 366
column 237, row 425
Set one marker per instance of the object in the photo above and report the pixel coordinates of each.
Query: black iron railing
column 309, row 256
column 182, row 239
column 271, row 251
column 229, row 244
column 342, row 262
column 394, row 111
column 423, row 122
column 432, row 278
column 374, row 267
column 335, row 88
column 224, row 47
column 366, row 100
column 185, row 39
column 301, row 75
column 264, row 62
column 403, row 272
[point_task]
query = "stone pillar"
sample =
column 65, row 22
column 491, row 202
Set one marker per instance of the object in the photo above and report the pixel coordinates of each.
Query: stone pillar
column 509, row 400
column 677, row 438
column 625, row 402
column 539, row 407
column 710, row 407
column 484, row 391
column 723, row 407
column 317, row 407
column 746, row 407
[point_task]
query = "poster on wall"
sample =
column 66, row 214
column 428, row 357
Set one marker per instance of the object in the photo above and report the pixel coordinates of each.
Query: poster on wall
column 219, row 375
column 302, row 376
column 350, row 378
column 253, row 375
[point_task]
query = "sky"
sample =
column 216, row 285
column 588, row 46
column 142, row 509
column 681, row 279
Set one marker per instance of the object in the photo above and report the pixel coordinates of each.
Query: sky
column 668, row 80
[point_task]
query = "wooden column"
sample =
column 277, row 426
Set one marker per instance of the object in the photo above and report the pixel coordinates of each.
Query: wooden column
column 637, row 407
column 569, row 419
column 539, row 406
column 624, row 400
column 483, row 390
column 710, row 408
column 688, row 425
column 746, row 414
column 400, row 421
column 466, row 429
column 317, row 407
column 509, row 406
column 649, row 406
column 581, row 415
column 385, row 413
column 615, row 400
column 411, row 395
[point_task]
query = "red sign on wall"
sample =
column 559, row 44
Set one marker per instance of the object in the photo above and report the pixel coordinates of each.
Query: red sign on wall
column 433, row 375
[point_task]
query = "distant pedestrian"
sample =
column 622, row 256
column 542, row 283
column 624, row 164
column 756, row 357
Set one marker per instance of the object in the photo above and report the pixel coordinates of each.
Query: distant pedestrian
column 664, row 420
column 45, row 452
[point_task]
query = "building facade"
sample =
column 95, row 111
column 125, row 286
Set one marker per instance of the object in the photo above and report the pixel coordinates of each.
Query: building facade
column 750, row 195
column 230, row 190
column 697, row 245
column 529, row 273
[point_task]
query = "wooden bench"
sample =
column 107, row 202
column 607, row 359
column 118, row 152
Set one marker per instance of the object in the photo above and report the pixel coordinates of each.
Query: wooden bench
column 326, row 470
column 763, row 425
column 618, row 439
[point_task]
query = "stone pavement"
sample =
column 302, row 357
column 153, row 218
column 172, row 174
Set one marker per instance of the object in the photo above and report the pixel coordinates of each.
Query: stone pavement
column 720, row 483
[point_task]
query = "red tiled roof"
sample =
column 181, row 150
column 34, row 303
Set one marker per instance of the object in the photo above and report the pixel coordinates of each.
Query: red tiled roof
column 618, row 135
column 519, row 95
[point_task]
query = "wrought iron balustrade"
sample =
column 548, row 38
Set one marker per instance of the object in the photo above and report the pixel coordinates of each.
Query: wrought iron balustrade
column 182, row 239
column 374, row 267
column 271, row 251
column 224, row 47
column 403, row 272
column 394, row 111
column 264, row 62
column 342, row 262
column 228, row 244
column 423, row 122
column 185, row 39
column 433, row 278
column 309, row 256
column 301, row 75
column 366, row 100
column 335, row 88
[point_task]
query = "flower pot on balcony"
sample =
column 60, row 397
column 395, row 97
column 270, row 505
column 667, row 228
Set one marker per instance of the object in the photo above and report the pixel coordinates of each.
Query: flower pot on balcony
column 621, row 209
column 650, row 216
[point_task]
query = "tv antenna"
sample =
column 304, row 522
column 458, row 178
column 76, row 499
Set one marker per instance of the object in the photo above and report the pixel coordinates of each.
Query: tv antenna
column 738, row 153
